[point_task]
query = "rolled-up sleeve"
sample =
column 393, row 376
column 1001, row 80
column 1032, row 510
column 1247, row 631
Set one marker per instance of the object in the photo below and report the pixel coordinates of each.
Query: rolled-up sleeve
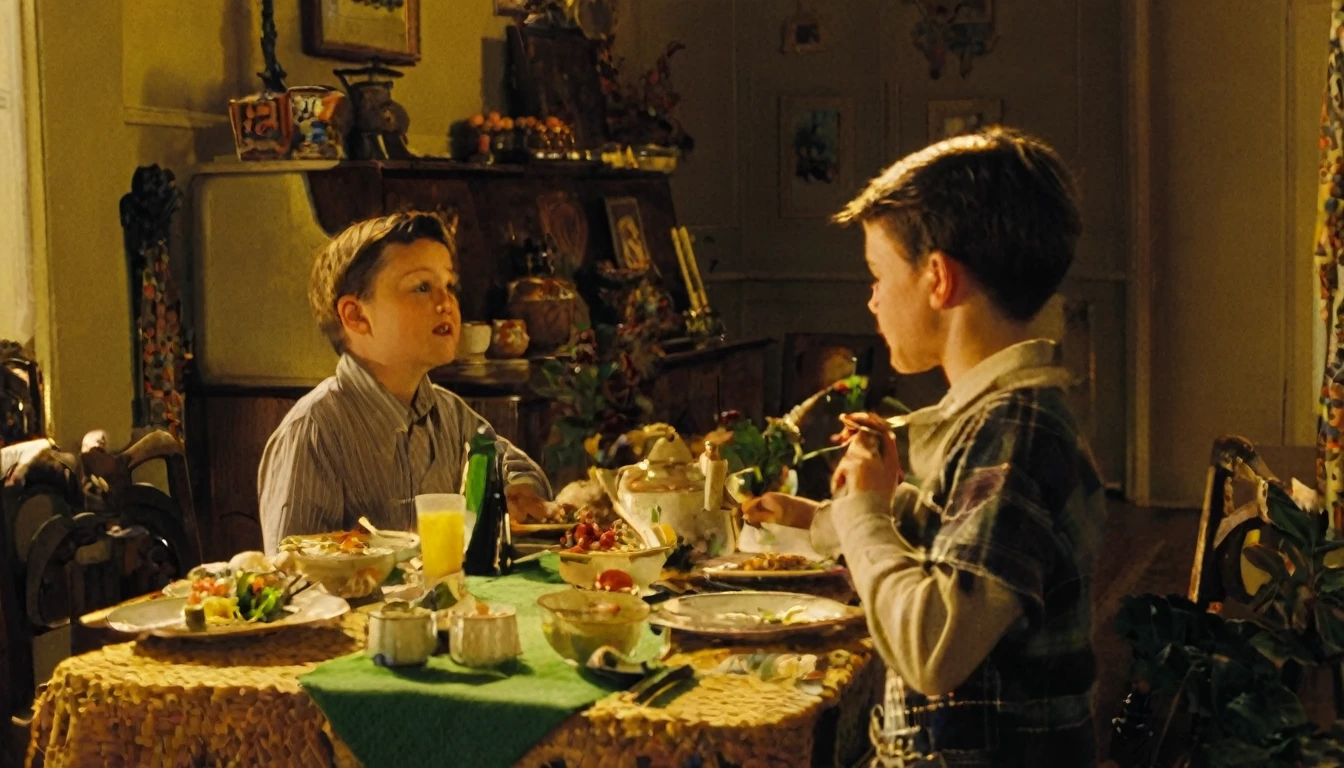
column 297, row 489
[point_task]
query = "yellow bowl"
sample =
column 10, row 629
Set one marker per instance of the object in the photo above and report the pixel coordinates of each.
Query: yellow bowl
column 577, row 622
column 643, row 565
column 347, row 576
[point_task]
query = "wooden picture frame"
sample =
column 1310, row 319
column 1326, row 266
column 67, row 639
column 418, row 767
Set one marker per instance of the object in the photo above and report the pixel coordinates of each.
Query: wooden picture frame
column 816, row 155
column 628, row 243
column 555, row 75
column 360, row 30
column 805, row 32
column 958, row 116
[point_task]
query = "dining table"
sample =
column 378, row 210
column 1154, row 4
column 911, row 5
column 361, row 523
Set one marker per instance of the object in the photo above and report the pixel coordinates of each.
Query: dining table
column 308, row 696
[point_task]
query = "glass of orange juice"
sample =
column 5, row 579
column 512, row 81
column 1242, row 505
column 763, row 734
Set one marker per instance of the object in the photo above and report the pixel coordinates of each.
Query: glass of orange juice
column 440, row 521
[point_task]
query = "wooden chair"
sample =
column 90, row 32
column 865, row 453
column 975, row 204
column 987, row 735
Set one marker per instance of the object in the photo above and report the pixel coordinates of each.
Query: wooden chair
column 21, row 415
column 85, row 541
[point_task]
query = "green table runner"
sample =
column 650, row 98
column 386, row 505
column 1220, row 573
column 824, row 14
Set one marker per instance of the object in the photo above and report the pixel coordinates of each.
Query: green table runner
column 447, row 714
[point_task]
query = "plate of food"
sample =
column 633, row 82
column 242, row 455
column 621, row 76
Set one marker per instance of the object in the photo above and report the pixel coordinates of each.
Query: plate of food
column 774, row 565
column 239, row 604
column 754, row 615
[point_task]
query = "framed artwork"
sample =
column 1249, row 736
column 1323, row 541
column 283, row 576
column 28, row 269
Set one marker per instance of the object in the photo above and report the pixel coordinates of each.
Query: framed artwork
column 804, row 33
column 627, row 233
column 816, row 154
column 555, row 74
column 510, row 7
column 955, row 117
column 359, row 30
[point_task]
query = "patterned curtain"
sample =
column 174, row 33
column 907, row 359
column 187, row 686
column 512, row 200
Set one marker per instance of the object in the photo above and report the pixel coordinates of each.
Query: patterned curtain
column 1329, row 254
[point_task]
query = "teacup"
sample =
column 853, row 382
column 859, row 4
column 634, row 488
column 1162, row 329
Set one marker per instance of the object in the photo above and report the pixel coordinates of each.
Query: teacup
column 401, row 635
column 474, row 341
column 478, row 639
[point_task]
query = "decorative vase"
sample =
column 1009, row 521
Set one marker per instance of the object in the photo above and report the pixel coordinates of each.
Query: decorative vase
column 320, row 117
column 263, row 126
column 510, row 339
column 548, row 307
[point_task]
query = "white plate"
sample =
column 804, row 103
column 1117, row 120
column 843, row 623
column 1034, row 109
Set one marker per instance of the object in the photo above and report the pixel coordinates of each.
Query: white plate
column 163, row 618
column 746, row 614
column 731, row 572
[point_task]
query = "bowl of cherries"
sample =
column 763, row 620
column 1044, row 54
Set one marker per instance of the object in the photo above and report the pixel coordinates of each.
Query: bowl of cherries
column 595, row 555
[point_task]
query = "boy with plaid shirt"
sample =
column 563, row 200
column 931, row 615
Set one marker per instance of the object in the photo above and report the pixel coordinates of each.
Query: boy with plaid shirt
column 977, row 582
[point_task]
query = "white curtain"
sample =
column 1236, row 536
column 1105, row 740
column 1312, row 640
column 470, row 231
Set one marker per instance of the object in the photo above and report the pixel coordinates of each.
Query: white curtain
column 16, row 265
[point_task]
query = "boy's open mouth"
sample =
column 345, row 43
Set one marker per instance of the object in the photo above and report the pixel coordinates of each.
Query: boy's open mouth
column 443, row 329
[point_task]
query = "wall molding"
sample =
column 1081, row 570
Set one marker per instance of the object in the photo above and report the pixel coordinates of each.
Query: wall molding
column 171, row 117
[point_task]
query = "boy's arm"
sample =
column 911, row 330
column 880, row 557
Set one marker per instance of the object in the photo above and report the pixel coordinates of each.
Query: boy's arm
column 519, row 468
column 932, row 624
column 297, row 489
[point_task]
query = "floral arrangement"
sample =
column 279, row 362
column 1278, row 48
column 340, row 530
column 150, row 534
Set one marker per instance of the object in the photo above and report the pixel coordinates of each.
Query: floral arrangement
column 600, row 388
column 643, row 112
column 765, row 456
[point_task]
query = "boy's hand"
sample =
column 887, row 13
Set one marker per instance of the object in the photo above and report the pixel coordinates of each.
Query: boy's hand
column 781, row 509
column 525, row 506
column 871, row 464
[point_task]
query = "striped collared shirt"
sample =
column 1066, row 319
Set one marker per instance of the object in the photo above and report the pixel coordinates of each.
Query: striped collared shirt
column 350, row 449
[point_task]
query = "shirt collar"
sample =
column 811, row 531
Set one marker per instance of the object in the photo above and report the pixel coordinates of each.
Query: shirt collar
column 380, row 403
column 1033, row 363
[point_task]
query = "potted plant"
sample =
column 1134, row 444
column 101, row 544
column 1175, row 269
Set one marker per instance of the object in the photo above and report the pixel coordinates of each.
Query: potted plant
column 1244, row 691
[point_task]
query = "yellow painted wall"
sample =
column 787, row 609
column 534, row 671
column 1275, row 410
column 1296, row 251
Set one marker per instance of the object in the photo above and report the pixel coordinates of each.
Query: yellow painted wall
column 125, row 83
column 1236, row 100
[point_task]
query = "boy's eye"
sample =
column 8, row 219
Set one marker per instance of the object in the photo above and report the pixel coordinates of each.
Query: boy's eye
column 421, row 287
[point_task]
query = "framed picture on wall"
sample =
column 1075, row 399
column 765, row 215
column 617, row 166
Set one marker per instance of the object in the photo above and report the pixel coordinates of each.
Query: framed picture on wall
column 958, row 116
column 804, row 32
column 816, row 154
column 627, row 233
column 359, row 30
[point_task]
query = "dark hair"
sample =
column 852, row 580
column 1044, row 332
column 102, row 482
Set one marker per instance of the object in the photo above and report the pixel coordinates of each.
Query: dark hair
column 348, row 264
column 1000, row 202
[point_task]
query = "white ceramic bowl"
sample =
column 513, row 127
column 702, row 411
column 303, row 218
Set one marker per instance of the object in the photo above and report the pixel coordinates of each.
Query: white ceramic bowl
column 643, row 565
column 474, row 341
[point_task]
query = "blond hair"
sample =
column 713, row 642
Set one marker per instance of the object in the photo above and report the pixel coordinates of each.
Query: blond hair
column 349, row 263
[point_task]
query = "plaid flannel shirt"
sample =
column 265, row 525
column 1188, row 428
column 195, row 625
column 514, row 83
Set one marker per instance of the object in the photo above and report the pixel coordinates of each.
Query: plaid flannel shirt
column 1019, row 501
column 1009, row 493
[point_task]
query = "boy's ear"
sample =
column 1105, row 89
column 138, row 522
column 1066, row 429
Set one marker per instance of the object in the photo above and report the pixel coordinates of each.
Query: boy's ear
column 946, row 280
column 352, row 315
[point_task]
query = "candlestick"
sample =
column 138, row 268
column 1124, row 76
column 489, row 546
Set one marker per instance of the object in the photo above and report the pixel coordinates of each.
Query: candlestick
column 694, row 266
column 685, row 274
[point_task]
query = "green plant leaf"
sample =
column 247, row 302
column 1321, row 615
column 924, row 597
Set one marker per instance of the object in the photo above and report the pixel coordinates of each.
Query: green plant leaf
column 1291, row 520
column 1327, row 548
column 1266, row 559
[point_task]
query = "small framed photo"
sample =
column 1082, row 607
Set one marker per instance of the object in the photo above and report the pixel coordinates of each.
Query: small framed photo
column 627, row 233
column 359, row 30
column 804, row 32
column 816, row 154
column 511, row 8
column 958, row 116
